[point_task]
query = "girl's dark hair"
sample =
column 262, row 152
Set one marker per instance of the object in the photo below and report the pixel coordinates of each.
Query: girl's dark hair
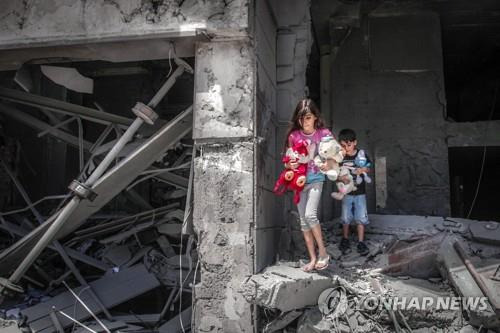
column 304, row 106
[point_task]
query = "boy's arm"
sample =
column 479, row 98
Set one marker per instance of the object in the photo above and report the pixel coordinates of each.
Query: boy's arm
column 368, row 167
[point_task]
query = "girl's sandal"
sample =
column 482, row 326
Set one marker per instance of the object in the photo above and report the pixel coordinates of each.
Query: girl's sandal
column 322, row 263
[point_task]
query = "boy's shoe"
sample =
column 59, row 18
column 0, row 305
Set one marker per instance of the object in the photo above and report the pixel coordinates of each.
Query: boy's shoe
column 344, row 245
column 363, row 249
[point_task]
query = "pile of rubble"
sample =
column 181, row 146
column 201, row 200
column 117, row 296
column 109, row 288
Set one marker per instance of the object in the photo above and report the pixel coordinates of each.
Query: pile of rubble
column 88, row 261
column 112, row 259
column 423, row 274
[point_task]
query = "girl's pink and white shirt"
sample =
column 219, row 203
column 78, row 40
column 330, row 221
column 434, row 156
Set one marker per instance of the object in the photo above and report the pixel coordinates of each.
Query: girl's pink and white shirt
column 313, row 140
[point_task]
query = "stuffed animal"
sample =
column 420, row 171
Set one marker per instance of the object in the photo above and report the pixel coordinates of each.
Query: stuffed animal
column 294, row 179
column 329, row 148
column 362, row 162
column 344, row 189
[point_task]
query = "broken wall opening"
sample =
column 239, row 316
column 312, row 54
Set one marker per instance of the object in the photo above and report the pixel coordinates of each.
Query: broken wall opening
column 474, row 182
column 130, row 261
column 470, row 60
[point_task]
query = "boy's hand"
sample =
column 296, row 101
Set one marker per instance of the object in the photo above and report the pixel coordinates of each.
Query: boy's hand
column 344, row 179
column 359, row 171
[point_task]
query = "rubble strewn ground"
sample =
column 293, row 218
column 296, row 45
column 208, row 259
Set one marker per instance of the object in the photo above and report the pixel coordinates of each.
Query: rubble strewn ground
column 412, row 259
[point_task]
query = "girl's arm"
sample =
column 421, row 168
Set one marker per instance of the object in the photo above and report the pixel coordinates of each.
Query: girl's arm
column 291, row 164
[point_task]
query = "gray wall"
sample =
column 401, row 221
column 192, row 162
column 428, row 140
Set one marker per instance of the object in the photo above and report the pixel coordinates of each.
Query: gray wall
column 268, row 223
column 387, row 84
column 224, row 183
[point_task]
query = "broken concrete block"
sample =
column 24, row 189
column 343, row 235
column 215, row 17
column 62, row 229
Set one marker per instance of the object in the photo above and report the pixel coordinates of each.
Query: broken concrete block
column 468, row 329
column 282, row 321
column 285, row 288
column 452, row 267
column 333, row 251
column 421, row 289
column 285, row 49
column 312, row 322
column 417, row 259
column 487, row 232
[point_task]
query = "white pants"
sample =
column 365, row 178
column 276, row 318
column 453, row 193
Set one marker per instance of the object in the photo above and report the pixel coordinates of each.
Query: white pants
column 308, row 205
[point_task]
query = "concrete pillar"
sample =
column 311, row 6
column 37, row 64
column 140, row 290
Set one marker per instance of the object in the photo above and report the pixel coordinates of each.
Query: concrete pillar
column 224, row 200
column 324, row 69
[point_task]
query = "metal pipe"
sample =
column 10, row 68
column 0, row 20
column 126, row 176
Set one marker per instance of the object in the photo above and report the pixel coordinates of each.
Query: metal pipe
column 103, row 166
column 67, row 210
column 37, row 124
column 59, row 248
column 166, row 87
column 74, row 320
column 62, row 107
column 86, row 308
column 477, row 277
column 56, row 322
column 62, row 123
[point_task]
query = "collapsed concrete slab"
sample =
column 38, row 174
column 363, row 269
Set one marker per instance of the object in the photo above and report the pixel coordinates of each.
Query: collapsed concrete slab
column 453, row 268
column 285, row 288
column 416, row 259
column 487, row 232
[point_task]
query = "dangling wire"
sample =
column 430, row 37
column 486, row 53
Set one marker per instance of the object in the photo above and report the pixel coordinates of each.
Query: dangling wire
column 484, row 151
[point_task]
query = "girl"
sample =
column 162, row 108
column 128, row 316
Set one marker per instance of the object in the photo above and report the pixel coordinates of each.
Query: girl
column 307, row 125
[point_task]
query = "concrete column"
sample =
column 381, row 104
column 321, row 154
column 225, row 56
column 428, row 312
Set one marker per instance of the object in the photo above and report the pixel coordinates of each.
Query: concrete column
column 224, row 184
column 324, row 69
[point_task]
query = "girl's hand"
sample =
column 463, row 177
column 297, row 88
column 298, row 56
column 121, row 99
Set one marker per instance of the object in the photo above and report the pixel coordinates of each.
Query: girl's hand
column 328, row 165
column 291, row 165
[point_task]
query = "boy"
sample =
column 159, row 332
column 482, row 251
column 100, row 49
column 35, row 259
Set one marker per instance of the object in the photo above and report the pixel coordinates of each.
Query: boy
column 353, row 204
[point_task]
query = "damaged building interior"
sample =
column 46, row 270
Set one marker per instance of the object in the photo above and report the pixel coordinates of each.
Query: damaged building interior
column 140, row 141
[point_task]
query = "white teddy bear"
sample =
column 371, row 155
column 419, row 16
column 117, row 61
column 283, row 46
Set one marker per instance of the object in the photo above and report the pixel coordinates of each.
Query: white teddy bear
column 344, row 189
column 329, row 148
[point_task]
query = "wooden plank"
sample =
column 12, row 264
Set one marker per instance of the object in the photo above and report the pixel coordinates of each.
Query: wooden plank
column 112, row 289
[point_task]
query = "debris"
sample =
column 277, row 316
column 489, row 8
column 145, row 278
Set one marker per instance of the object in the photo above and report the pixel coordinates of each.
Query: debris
column 117, row 255
column 165, row 246
column 487, row 232
column 416, row 259
column 170, row 229
column 112, row 289
column 69, row 78
column 453, row 269
column 285, row 288
column 282, row 321
column 178, row 323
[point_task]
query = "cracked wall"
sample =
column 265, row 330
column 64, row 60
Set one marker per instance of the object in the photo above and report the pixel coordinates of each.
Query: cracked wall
column 224, row 183
column 55, row 22
column 388, row 85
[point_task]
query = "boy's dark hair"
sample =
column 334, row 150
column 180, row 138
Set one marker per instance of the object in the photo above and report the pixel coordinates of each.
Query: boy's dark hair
column 347, row 135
